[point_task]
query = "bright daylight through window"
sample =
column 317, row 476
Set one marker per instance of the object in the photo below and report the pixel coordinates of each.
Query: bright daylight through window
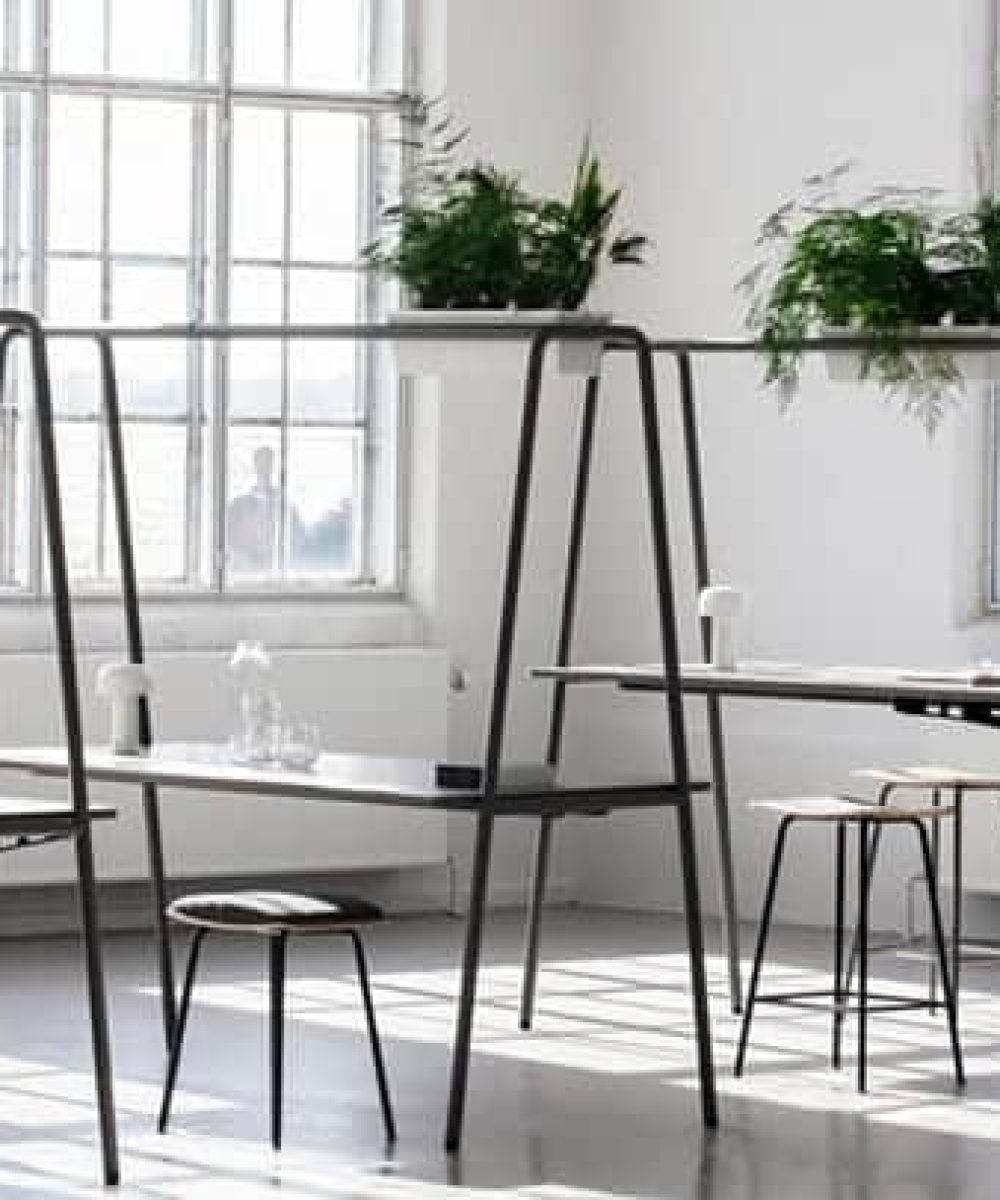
column 214, row 161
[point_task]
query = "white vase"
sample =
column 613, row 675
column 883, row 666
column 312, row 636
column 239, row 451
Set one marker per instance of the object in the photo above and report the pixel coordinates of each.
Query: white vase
column 465, row 355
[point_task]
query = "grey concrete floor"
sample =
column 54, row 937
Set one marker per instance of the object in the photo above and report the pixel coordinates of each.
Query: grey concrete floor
column 599, row 1101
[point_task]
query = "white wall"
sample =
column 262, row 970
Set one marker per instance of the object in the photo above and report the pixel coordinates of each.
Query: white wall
column 856, row 537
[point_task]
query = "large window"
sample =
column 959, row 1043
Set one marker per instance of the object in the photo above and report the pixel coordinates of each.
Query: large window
column 210, row 161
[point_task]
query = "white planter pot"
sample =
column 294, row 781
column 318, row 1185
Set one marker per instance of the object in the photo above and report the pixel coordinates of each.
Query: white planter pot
column 492, row 356
column 845, row 366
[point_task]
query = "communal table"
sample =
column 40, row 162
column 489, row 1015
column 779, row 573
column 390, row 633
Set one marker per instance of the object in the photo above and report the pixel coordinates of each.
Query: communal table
column 402, row 782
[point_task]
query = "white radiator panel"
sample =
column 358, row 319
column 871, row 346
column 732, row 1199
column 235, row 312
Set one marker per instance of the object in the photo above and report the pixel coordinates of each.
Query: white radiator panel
column 366, row 701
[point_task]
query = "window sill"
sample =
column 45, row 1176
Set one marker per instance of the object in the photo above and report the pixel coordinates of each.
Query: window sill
column 215, row 623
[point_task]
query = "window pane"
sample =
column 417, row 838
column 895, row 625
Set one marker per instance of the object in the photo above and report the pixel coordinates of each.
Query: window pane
column 259, row 41
column 325, row 186
column 77, row 36
column 323, row 486
column 152, row 38
column 258, row 183
column 73, row 291
column 73, row 368
column 156, row 462
column 253, row 511
column 327, row 50
column 153, row 375
column 255, row 367
column 75, row 157
column 77, row 450
column 322, row 375
column 150, row 177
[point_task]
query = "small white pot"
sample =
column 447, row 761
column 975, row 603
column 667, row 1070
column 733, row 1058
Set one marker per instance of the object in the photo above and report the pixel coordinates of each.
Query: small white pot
column 125, row 684
column 492, row 356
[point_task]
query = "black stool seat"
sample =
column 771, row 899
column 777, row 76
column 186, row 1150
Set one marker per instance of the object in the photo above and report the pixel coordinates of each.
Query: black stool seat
column 275, row 915
column 272, row 912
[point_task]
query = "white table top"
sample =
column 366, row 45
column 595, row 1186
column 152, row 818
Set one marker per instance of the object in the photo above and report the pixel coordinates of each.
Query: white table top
column 345, row 778
column 796, row 681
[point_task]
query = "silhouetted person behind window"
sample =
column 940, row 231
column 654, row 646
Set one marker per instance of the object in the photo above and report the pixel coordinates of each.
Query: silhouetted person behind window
column 252, row 519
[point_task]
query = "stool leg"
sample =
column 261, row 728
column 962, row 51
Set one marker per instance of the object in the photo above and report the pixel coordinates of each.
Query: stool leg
column 180, row 1025
column 876, row 836
column 277, row 949
column 380, row 1073
column 864, row 880
column 956, row 900
column 758, row 958
column 935, row 843
column 942, row 958
column 838, row 944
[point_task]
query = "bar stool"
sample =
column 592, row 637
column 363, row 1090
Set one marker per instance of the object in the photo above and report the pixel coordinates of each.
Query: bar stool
column 867, row 818
column 274, row 915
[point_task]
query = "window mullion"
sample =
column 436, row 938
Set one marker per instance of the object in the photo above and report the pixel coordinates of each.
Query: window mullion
column 220, row 348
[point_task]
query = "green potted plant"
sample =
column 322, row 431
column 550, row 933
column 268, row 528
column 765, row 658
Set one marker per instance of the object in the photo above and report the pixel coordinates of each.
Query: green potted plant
column 888, row 268
column 470, row 244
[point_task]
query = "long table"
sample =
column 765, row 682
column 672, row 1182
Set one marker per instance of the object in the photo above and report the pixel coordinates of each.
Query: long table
column 970, row 695
column 400, row 782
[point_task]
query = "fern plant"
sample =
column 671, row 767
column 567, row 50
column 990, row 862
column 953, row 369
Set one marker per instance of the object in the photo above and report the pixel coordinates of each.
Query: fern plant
column 472, row 237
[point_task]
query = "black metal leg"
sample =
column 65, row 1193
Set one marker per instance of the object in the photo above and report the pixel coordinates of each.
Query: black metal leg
column 100, row 1038
column 839, row 995
column 533, row 924
column 380, row 1072
column 717, row 748
column 277, row 946
column 875, row 841
column 158, row 896
column 467, row 992
column 762, row 932
column 935, row 842
column 543, row 840
column 938, row 934
column 864, row 881
column 177, row 1042
column 956, row 901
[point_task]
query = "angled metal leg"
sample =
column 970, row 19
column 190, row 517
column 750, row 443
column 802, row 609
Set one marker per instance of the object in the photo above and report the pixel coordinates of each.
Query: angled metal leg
column 956, row 901
column 839, row 995
column 380, row 1073
column 543, row 840
column 277, row 946
column 533, row 925
column 942, row 957
column 935, row 843
column 762, row 932
column 716, row 739
column 864, row 881
column 177, row 1043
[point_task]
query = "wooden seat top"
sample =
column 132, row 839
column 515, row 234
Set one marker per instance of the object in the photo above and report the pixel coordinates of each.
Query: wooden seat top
column 845, row 808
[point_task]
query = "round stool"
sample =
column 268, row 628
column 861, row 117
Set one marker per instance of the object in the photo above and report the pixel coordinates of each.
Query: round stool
column 867, row 819
column 274, row 915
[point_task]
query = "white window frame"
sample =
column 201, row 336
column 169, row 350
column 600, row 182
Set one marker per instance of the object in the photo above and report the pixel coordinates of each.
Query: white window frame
column 224, row 97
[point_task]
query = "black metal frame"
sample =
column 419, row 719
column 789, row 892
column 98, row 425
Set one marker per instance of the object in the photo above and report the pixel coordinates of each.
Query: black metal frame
column 674, row 793
column 842, row 992
column 277, row 954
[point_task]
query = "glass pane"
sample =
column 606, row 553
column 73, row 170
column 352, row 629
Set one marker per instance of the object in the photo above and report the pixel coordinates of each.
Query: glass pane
column 75, row 157
column 151, row 177
column 325, row 186
column 74, row 370
column 73, row 291
column 156, row 462
column 327, row 44
column 152, row 38
column 153, row 375
column 77, row 450
column 253, row 511
column 258, row 183
column 77, row 36
column 255, row 367
column 322, row 375
column 323, row 488
column 259, row 41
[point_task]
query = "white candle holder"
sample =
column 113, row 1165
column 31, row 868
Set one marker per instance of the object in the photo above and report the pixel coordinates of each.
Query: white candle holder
column 125, row 684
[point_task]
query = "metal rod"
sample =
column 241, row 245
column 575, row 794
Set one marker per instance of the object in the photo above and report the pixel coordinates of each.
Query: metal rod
column 839, row 995
column 494, row 744
column 177, row 1041
column 380, row 1073
column 674, row 704
column 62, row 613
column 276, row 978
column 864, row 880
column 543, row 840
column 133, row 633
column 716, row 739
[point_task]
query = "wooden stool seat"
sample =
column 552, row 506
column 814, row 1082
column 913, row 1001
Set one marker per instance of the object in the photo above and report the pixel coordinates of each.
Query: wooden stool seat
column 274, row 915
column 947, row 778
column 844, row 808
